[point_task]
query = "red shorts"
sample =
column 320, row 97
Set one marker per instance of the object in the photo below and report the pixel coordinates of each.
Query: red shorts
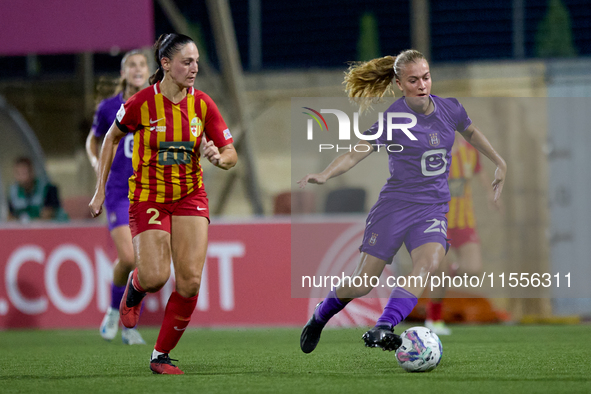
column 147, row 215
column 461, row 236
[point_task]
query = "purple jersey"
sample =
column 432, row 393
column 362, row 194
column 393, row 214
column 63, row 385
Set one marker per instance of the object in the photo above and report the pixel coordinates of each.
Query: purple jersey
column 418, row 173
column 117, row 186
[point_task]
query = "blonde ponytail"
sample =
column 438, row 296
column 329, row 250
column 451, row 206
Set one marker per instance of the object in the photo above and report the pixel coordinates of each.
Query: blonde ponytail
column 367, row 82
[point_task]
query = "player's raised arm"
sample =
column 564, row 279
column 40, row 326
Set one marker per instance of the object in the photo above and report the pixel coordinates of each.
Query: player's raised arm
column 111, row 141
column 338, row 166
column 480, row 142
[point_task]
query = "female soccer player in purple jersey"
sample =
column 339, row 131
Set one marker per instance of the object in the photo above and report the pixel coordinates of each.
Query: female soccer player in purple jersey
column 134, row 76
column 412, row 205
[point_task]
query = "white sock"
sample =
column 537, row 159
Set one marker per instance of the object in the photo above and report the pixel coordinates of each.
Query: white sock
column 155, row 354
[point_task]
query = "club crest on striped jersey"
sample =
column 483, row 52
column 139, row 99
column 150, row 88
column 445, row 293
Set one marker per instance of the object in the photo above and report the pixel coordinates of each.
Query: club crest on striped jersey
column 433, row 139
column 373, row 239
column 196, row 127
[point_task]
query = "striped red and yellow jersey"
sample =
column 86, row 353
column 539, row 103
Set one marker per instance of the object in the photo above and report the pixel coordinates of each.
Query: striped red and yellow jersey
column 465, row 163
column 166, row 142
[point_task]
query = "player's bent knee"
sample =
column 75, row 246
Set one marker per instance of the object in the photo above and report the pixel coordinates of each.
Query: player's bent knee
column 188, row 282
column 188, row 288
column 152, row 282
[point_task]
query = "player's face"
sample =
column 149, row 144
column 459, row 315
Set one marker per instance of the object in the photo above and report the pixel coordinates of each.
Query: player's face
column 135, row 71
column 184, row 65
column 415, row 83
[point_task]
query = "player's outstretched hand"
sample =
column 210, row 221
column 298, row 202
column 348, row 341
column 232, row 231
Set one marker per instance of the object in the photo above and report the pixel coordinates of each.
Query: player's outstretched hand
column 312, row 178
column 96, row 204
column 211, row 152
column 499, row 182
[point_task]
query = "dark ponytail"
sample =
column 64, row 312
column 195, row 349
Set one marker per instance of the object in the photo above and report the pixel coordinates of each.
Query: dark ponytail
column 167, row 46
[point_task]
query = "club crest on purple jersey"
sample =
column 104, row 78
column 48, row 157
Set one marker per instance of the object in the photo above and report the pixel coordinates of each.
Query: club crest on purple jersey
column 433, row 139
column 373, row 239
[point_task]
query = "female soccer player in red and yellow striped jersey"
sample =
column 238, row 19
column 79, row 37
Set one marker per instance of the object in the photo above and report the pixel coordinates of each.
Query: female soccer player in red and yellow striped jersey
column 169, row 212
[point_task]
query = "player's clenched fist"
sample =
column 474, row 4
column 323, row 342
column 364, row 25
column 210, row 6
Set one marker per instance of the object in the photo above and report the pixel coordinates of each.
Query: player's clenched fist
column 211, row 152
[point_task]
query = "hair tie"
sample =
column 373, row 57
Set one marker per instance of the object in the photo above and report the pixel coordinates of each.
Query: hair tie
column 165, row 41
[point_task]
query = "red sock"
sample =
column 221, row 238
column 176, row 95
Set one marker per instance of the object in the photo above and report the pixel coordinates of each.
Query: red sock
column 434, row 310
column 136, row 282
column 176, row 318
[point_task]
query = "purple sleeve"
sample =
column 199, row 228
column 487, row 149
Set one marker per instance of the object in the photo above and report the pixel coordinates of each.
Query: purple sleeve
column 381, row 140
column 100, row 123
column 463, row 121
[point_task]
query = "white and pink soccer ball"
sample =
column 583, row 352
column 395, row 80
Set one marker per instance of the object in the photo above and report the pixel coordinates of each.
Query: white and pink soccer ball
column 420, row 350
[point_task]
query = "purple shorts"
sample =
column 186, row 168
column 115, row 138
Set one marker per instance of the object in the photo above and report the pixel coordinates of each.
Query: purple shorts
column 392, row 222
column 117, row 212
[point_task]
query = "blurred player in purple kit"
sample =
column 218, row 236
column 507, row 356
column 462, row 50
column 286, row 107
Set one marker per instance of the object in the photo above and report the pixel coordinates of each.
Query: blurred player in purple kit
column 413, row 203
column 134, row 76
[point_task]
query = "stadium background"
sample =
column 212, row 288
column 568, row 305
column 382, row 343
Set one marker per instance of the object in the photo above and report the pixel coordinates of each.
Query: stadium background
column 491, row 51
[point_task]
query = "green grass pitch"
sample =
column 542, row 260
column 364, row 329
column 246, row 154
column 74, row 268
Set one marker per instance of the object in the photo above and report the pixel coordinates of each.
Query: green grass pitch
column 476, row 359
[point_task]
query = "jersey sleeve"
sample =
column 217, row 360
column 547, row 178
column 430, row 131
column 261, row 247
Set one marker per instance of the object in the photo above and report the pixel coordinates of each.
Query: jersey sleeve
column 100, row 123
column 381, row 140
column 462, row 119
column 215, row 127
column 128, row 117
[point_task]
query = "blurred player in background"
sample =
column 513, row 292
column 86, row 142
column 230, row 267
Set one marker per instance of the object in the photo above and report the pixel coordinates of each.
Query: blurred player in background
column 413, row 203
column 134, row 77
column 32, row 198
column 461, row 226
column 169, row 212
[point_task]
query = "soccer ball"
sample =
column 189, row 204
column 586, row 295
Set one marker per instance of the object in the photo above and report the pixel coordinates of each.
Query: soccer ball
column 420, row 350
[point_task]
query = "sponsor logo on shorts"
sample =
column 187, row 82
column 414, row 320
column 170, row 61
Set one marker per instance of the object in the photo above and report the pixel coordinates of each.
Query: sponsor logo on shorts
column 201, row 209
column 113, row 217
column 373, row 239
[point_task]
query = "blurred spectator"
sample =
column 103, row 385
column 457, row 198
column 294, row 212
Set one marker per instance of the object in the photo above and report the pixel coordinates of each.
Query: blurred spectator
column 32, row 198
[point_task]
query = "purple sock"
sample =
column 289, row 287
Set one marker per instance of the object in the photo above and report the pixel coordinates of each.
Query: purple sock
column 400, row 304
column 330, row 307
column 116, row 295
